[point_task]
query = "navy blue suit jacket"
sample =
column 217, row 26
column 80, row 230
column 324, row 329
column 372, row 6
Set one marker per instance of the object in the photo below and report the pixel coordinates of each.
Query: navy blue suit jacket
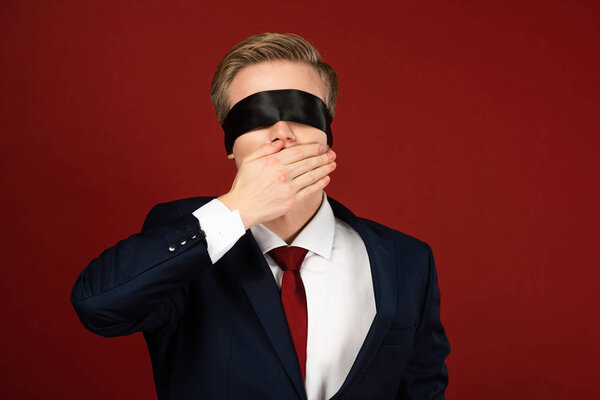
column 219, row 331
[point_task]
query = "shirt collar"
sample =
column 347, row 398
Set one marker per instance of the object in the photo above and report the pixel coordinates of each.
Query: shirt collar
column 317, row 235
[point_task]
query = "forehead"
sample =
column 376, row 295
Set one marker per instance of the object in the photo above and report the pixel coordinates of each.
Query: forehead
column 271, row 75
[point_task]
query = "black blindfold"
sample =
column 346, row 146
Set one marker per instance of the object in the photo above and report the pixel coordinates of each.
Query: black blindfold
column 267, row 107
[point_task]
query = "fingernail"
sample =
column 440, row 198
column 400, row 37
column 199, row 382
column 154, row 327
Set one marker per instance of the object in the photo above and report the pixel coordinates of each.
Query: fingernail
column 323, row 148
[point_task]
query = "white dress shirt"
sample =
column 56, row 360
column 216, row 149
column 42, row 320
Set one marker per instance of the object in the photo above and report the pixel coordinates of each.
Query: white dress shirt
column 337, row 278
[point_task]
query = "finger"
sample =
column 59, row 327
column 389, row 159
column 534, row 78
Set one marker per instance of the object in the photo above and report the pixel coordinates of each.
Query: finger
column 265, row 150
column 310, row 189
column 312, row 176
column 308, row 164
column 292, row 154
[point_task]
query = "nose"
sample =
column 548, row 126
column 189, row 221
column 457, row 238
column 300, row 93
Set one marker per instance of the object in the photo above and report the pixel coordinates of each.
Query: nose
column 283, row 131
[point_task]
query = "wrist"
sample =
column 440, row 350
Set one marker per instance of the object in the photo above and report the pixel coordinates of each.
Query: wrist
column 231, row 203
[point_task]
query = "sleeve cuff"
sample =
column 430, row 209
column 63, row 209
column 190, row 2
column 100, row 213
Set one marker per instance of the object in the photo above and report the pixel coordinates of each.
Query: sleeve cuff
column 222, row 226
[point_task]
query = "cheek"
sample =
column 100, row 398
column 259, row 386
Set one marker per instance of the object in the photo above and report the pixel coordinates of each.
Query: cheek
column 318, row 136
column 309, row 134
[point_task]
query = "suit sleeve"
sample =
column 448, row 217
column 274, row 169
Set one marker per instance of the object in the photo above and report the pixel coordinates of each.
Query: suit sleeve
column 426, row 374
column 138, row 284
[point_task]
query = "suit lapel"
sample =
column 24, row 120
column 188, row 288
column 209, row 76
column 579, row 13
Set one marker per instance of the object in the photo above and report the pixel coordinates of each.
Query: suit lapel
column 261, row 288
column 383, row 272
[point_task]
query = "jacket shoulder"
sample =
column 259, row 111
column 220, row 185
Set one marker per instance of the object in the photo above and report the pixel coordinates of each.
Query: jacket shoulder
column 414, row 257
column 405, row 244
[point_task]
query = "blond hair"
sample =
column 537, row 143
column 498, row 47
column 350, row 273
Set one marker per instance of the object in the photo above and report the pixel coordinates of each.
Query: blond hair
column 269, row 47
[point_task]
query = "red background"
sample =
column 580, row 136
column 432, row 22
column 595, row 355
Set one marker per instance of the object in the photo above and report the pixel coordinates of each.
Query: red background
column 470, row 125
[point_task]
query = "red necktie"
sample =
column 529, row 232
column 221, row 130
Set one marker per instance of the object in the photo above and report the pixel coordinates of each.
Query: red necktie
column 293, row 297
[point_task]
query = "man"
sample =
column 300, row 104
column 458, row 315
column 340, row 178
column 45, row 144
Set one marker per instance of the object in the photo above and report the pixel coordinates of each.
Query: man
column 273, row 290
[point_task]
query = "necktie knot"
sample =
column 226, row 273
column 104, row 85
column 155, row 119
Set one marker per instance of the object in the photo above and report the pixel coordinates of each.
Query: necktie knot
column 289, row 257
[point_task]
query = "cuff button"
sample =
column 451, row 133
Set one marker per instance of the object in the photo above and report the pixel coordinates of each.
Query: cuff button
column 183, row 242
column 172, row 248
